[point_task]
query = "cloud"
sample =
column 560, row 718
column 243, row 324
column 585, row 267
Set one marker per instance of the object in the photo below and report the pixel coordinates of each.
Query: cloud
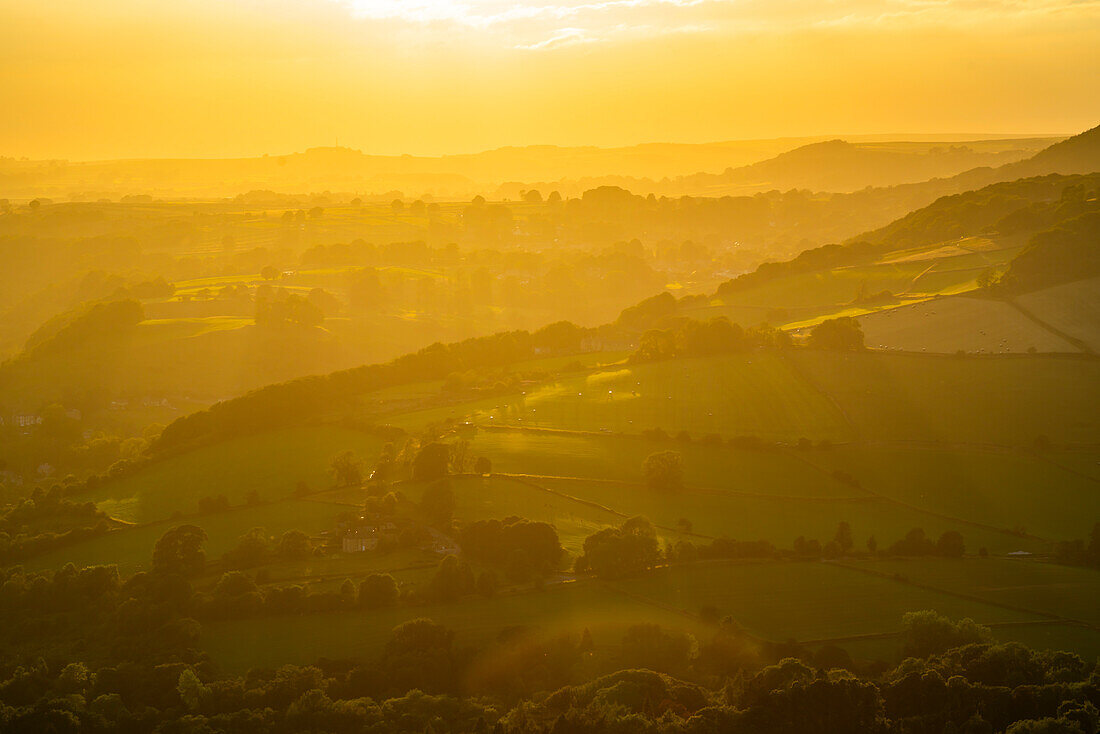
column 487, row 13
column 551, row 24
column 564, row 37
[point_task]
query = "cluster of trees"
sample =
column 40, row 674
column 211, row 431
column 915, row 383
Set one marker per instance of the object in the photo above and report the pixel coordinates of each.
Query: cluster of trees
column 690, row 338
column 22, row 532
column 633, row 547
column 950, row 544
column 238, row 596
column 653, row 680
column 567, row 282
column 1064, row 253
column 664, row 471
column 1080, row 552
column 523, row 548
column 842, row 334
column 621, row 551
column 283, row 309
column 686, row 551
column 748, row 443
column 257, row 548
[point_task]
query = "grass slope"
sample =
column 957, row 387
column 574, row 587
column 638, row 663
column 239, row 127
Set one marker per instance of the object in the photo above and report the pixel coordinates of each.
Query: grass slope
column 948, row 325
column 755, row 393
column 271, row 464
column 999, row 489
column 896, row 397
column 1073, row 308
column 236, row 646
column 131, row 549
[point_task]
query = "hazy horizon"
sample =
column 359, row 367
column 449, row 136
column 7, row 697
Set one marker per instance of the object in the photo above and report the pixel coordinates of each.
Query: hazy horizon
column 135, row 79
column 797, row 141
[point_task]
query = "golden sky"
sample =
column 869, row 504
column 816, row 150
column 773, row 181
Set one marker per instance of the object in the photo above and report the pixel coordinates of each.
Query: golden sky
column 87, row 79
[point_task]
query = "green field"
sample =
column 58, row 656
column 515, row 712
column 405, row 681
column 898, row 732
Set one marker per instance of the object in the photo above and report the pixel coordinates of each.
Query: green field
column 755, row 393
column 1005, row 490
column 1073, row 308
column 131, row 549
column 764, row 472
column 271, row 464
column 1002, row 400
column 236, row 646
column 781, row 520
column 802, row 601
column 801, row 299
column 815, row 394
column 160, row 331
column 1066, row 591
column 809, row 602
column 1085, row 464
column 970, row 324
column 500, row 497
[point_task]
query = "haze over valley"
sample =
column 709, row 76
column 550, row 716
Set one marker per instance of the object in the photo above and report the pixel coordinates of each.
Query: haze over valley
column 421, row 367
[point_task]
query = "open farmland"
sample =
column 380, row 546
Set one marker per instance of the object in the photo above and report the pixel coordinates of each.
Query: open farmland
column 784, row 396
column 802, row 299
column 754, row 393
column 497, row 497
column 407, row 565
column 770, row 599
column 767, row 599
column 270, row 464
column 996, row 400
column 1073, row 308
column 131, row 549
column 780, row 519
column 562, row 609
column 959, row 323
column 1063, row 591
column 712, row 466
column 1000, row 489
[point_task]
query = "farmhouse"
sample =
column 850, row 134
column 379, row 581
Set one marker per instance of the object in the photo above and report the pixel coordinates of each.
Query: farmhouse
column 361, row 539
column 368, row 533
column 26, row 419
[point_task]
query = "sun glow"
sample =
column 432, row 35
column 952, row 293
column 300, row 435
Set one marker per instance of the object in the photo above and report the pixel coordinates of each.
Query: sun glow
column 211, row 77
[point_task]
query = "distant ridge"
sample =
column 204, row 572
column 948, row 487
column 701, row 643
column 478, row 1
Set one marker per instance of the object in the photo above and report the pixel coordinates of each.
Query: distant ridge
column 1078, row 154
column 641, row 168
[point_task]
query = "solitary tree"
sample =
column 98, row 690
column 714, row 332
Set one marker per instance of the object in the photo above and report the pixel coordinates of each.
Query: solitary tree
column 843, row 536
column 180, row 551
column 840, row 334
column 664, row 471
column 347, row 469
column 377, row 590
column 483, row 465
column 294, row 545
column 431, row 462
column 951, row 544
column 438, row 502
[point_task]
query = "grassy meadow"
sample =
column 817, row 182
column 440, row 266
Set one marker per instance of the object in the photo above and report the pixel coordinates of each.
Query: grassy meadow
column 131, row 548
column 769, row 600
column 269, row 464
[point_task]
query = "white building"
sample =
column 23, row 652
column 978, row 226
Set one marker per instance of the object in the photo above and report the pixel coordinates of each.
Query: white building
column 358, row 540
